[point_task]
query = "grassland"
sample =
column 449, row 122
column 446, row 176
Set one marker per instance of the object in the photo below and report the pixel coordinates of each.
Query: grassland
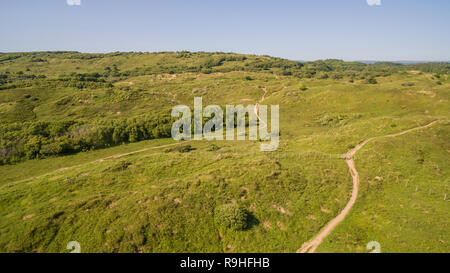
column 135, row 197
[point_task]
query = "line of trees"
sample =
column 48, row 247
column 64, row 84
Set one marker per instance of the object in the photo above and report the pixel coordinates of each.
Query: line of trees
column 29, row 140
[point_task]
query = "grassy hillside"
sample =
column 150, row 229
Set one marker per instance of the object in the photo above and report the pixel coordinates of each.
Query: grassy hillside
column 87, row 155
column 401, row 204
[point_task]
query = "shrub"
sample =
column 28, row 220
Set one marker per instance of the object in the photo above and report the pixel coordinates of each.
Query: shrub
column 323, row 76
column 213, row 148
column 52, row 149
column 120, row 166
column 371, row 81
column 231, row 216
column 181, row 149
column 32, row 147
column 336, row 76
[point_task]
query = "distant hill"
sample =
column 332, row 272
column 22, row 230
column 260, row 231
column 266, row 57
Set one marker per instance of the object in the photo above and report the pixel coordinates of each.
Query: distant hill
column 402, row 62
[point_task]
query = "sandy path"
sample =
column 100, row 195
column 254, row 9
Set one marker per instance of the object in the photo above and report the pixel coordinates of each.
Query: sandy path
column 93, row 162
column 311, row 246
column 119, row 155
column 255, row 109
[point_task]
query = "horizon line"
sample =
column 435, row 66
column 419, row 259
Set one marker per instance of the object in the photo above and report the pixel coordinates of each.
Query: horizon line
column 400, row 61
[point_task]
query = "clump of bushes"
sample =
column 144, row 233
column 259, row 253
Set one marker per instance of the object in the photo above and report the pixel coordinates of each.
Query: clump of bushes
column 371, row 81
column 29, row 140
column 121, row 166
column 181, row 149
column 213, row 148
column 231, row 216
column 185, row 149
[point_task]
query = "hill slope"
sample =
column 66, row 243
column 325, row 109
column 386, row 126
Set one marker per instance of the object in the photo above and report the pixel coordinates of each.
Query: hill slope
column 87, row 135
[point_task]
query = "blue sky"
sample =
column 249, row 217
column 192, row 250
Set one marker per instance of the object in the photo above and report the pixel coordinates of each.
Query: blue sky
column 298, row 30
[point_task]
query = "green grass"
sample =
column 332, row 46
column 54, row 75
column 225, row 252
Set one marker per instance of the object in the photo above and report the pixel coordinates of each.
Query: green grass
column 164, row 202
column 164, row 199
column 404, row 209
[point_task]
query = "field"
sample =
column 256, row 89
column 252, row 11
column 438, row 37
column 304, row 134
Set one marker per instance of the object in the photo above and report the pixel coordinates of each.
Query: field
column 87, row 157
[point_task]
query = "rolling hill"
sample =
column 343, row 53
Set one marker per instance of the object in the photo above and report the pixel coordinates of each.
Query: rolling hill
column 87, row 156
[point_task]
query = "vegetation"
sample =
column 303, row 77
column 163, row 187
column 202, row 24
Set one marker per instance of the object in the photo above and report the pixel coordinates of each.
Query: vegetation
column 40, row 139
column 87, row 156
column 231, row 216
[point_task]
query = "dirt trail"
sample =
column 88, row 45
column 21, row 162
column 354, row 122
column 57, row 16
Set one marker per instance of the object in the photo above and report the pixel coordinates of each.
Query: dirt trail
column 120, row 155
column 255, row 109
column 311, row 246
column 93, row 162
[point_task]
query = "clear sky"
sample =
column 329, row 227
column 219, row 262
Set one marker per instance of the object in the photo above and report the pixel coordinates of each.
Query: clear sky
column 295, row 29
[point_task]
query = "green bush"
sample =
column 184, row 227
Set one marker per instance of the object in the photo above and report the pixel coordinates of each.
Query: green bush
column 33, row 146
column 120, row 166
column 371, row 81
column 181, row 149
column 213, row 148
column 52, row 149
column 322, row 76
column 231, row 216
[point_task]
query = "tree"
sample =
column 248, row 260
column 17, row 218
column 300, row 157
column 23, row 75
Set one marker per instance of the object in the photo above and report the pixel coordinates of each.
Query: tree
column 33, row 147
column 231, row 216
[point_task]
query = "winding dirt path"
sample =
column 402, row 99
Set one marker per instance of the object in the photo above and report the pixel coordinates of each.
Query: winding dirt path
column 122, row 154
column 255, row 109
column 311, row 245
